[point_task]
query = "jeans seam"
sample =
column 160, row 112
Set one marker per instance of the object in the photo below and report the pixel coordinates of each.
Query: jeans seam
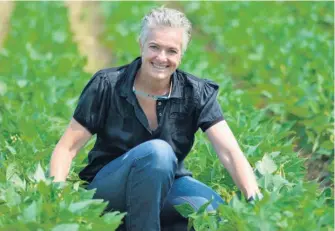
column 168, row 192
column 128, row 191
column 193, row 205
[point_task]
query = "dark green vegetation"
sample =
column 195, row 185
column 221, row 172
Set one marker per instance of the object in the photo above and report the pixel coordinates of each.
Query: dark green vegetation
column 41, row 74
column 274, row 64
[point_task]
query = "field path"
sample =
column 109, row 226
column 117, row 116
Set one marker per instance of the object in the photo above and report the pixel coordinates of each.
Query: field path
column 87, row 24
column 6, row 9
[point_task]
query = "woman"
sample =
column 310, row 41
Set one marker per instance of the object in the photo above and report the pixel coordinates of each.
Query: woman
column 145, row 115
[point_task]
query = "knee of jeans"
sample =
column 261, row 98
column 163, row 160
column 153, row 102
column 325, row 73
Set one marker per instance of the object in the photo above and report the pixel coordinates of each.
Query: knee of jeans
column 162, row 155
column 197, row 202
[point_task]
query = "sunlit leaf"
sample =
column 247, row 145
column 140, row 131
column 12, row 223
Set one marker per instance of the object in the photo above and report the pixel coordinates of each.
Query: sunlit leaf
column 66, row 227
column 266, row 165
column 39, row 173
column 12, row 197
column 78, row 206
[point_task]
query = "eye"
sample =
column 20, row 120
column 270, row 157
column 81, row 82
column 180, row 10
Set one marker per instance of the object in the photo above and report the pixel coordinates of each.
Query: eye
column 173, row 52
column 153, row 47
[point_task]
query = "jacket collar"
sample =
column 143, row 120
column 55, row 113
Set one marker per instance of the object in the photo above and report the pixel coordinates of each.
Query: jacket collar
column 128, row 77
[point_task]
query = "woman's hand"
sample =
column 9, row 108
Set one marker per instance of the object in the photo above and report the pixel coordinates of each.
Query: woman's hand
column 256, row 197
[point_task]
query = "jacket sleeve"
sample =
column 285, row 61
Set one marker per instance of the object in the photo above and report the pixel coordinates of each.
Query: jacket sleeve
column 93, row 104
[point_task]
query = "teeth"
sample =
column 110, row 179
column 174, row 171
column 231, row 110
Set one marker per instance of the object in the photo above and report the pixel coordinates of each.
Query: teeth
column 159, row 67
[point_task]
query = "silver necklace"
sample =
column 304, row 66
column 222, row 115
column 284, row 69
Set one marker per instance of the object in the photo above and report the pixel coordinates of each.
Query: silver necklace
column 152, row 96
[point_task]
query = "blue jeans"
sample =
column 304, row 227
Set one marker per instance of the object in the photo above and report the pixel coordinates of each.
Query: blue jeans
column 142, row 183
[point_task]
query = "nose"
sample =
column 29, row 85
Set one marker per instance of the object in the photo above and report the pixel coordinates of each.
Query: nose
column 162, row 56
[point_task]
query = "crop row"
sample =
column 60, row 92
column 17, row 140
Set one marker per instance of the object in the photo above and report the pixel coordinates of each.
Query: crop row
column 283, row 55
column 41, row 74
column 267, row 138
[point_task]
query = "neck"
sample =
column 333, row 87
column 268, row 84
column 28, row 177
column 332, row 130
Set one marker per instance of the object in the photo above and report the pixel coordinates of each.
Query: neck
column 148, row 85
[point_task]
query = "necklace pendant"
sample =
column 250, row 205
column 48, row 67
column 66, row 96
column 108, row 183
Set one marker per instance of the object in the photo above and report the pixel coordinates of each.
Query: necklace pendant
column 154, row 97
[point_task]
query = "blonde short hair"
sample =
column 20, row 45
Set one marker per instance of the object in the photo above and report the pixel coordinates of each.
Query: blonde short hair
column 166, row 17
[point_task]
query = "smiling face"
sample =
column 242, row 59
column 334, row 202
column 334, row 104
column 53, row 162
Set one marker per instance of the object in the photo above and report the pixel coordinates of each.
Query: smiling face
column 161, row 52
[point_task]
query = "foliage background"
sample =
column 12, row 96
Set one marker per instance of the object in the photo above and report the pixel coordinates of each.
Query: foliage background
column 273, row 62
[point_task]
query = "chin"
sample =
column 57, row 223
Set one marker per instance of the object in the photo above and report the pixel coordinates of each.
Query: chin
column 156, row 75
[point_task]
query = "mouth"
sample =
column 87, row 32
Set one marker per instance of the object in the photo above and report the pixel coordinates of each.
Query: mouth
column 160, row 67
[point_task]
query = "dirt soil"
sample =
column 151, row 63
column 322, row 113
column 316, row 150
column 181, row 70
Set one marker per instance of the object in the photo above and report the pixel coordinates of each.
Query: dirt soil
column 87, row 24
column 318, row 170
column 6, row 9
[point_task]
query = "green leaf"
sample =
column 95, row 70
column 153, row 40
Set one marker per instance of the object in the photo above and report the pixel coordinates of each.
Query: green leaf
column 30, row 213
column 266, row 165
column 39, row 173
column 189, row 224
column 185, row 209
column 78, row 206
column 114, row 217
column 278, row 181
column 11, row 170
column 274, row 154
column 204, row 206
column 66, row 227
column 236, row 204
column 17, row 181
column 3, row 88
column 59, row 36
column 11, row 149
column 12, row 197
